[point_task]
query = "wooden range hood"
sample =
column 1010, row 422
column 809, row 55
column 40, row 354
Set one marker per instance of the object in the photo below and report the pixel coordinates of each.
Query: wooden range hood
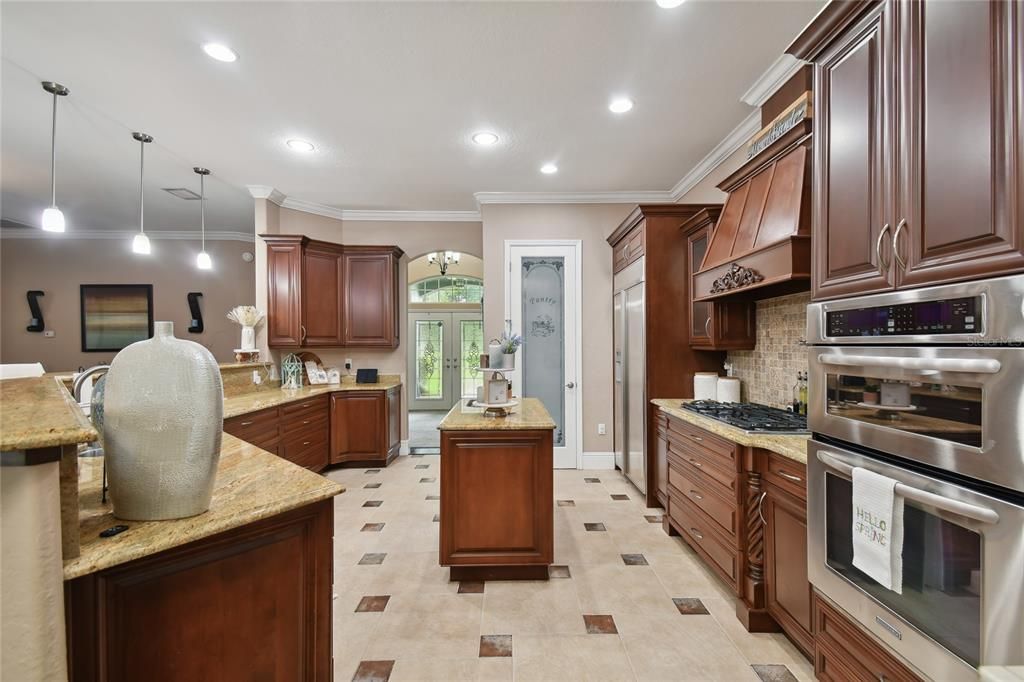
column 761, row 246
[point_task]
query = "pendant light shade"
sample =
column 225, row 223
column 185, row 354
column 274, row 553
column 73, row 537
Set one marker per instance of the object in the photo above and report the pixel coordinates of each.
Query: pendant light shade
column 140, row 244
column 203, row 260
column 53, row 219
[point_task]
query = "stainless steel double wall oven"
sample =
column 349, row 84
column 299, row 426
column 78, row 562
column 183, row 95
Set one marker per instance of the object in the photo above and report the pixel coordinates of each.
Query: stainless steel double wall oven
column 926, row 387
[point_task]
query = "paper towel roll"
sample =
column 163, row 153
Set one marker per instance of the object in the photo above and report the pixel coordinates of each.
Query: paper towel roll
column 729, row 389
column 705, row 386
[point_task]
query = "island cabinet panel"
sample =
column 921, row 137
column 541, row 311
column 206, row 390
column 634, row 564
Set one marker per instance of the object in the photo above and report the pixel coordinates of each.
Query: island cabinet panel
column 365, row 427
column 497, row 517
column 322, row 294
column 783, row 510
column 371, row 296
column 253, row 603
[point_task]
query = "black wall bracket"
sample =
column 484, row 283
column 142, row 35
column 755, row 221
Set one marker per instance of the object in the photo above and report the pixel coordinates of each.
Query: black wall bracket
column 197, row 315
column 37, row 324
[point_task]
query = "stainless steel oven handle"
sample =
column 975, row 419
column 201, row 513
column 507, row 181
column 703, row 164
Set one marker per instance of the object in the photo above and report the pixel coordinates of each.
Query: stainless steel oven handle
column 966, row 365
column 965, row 509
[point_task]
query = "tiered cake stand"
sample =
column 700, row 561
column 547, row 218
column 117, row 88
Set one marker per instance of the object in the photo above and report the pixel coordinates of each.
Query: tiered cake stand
column 502, row 409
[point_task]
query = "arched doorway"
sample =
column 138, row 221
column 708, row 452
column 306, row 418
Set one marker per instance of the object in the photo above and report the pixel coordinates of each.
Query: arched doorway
column 445, row 309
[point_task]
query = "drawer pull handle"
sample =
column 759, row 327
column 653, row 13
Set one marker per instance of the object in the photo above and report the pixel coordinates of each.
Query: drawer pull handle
column 696, row 533
column 694, row 462
column 305, row 421
column 697, row 438
column 791, row 477
column 307, row 442
column 246, row 424
column 304, row 405
column 696, row 495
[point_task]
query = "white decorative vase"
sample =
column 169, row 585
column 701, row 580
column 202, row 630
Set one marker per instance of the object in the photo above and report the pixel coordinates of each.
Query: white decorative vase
column 508, row 361
column 163, row 419
column 248, row 338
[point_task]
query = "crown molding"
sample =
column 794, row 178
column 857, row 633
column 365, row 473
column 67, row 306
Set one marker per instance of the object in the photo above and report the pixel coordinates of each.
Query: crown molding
column 640, row 197
column 156, row 235
column 723, row 150
column 772, row 79
column 312, row 207
column 266, row 192
column 412, row 216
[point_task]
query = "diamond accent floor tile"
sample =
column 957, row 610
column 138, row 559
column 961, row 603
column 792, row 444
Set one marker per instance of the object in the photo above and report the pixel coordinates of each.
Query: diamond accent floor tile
column 427, row 480
column 372, row 527
column 653, row 518
column 590, row 479
column 372, row 486
column 555, row 571
column 373, row 671
column 594, row 527
column 372, row 471
column 373, row 604
column 774, row 672
column 437, row 518
column 600, row 625
column 634, row 560
column 495, row 646
column 372, row 558
column 618, row 497
column 373, row 503
column 422, row 466
column 690, row 606
column 471, row 587
column 566, row 503
column 433, row 497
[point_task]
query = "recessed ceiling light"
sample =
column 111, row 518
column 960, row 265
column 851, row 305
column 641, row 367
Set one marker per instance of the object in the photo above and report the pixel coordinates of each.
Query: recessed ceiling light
column 620, row 105
column 222, row 53
column 300, row 145
column 669, row 4
column 548, row 168
column 485, row 139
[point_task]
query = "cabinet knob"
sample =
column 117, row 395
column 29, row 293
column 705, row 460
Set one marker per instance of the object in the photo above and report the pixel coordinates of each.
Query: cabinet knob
column 306, row 442
column 246, row 424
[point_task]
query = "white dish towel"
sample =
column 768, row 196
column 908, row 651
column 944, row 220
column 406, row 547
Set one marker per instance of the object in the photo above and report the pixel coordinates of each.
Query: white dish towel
column 878, row 528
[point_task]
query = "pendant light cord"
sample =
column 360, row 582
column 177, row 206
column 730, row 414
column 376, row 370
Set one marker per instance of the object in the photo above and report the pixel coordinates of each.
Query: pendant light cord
column 202, row 207
column 142, row 193
column 53, row 156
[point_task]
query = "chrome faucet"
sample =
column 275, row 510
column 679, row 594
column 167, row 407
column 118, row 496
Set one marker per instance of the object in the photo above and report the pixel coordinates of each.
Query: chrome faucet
column 76, row 386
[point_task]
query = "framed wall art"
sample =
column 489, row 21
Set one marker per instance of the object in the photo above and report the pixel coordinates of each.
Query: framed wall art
column 115, row 316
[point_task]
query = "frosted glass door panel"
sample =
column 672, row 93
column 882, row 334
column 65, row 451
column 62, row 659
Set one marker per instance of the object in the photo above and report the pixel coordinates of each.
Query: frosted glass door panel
column 543, row 315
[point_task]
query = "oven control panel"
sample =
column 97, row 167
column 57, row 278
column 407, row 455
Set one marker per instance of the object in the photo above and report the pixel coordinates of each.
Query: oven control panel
column 950, row 316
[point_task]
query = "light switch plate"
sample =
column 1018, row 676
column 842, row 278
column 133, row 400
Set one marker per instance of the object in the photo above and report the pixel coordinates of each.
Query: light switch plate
column 601, row 430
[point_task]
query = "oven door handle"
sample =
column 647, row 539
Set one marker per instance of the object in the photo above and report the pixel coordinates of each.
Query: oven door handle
column 965, row 365
column 965, row 509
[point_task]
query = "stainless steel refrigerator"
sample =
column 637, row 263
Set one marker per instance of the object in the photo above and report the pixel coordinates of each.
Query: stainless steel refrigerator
column 629, row 400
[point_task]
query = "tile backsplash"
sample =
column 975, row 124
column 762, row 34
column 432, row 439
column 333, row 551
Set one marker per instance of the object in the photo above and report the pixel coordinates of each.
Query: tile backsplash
column 769, row 371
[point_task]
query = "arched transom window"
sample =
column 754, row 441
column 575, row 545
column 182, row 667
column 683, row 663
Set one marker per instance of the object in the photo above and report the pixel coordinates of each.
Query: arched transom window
column 447, row 289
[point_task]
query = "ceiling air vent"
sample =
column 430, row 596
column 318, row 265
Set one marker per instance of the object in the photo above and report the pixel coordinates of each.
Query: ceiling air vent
column 182, row 193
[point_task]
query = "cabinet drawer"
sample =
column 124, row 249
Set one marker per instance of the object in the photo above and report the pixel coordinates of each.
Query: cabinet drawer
column 308, row 450
column 696, row 530
column 254, row 424
column 692, row 486
column 841, row 643
column 696, row 437
column 787, row 474
column 686, row 458
column 292, row 427
column 302, row 409
column 267, row 440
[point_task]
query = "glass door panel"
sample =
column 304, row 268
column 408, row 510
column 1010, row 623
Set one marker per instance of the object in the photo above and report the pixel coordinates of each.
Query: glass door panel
column 471, row 344
column 543, row 315
column 443, row 357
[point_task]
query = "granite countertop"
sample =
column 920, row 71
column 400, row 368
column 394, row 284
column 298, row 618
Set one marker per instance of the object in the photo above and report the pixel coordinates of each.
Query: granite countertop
column 38, row 412
column 793, row 447
column 528, row 415
column 251, row 485
column 254, row 401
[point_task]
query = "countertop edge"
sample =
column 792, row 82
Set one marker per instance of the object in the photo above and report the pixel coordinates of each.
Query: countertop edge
column 81, row 432
column 475, row 421
column 264, row 400
column 779, row 444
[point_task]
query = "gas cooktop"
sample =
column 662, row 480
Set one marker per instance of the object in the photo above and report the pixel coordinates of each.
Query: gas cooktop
column 750, row 417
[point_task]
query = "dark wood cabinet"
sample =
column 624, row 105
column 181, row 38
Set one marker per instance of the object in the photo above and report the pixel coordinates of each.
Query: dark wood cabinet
column 917, row 176
column 253, row 603
column 321, row 294
column 497, row 508
column 371, row 296
column 721, row 324
column 298, row 431
column 845, row 653
column 960, row 190
column 783, row 508
column 365, row 427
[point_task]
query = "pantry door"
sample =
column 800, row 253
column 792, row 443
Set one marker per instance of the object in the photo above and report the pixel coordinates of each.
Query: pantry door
column 542, row 303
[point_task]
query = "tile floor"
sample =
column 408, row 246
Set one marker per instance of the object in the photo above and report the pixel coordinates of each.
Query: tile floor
column 625, row 602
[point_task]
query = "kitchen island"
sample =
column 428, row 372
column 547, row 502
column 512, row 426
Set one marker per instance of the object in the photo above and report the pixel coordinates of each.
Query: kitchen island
column 497, row 488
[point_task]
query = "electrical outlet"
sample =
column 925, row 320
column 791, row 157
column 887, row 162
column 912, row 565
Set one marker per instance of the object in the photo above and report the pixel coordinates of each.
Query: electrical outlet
column 49, row 333
column 256, row 378
column 601, row 430
column 348, row 364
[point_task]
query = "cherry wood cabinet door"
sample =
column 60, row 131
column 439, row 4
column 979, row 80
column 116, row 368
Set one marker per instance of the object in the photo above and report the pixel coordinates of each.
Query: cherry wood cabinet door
column 358, row 426
column 787, row 589
column 370, row 298
column 322, row 277
column 852, row 161
column 284, row 293
column 960, row 188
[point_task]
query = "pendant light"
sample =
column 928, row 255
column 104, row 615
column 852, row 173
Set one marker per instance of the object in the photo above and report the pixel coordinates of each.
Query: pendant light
column 140, row 244
column 203, row 261
column 53, row 219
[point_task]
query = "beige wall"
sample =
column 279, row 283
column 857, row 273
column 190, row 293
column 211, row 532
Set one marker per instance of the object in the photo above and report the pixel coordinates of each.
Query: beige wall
column 415, row 238
column 591, row 224
column 706, row 191
column 59, row 265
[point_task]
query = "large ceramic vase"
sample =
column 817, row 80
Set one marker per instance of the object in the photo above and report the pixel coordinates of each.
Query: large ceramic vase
column 162, row 427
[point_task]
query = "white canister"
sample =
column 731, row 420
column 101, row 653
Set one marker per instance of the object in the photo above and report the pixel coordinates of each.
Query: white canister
column 705, row 386
column 496, row 356
column 729, row 389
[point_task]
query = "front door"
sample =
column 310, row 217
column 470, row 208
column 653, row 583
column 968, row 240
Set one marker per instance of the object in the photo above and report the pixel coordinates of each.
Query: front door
column 543, row 305
column 444, row 351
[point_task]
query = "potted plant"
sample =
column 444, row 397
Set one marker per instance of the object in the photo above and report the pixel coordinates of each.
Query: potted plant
column 870, row 395
column 509, row 343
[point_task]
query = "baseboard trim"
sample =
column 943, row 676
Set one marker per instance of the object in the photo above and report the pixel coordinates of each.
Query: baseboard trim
column 403, row 449
column 598, row 460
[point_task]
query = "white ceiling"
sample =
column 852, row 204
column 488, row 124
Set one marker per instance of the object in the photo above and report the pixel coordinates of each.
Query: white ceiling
column 389, row 92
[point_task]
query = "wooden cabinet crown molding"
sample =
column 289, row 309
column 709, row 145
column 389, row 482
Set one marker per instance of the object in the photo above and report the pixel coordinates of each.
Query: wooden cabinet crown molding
column 833, row 19
column 642, row 211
